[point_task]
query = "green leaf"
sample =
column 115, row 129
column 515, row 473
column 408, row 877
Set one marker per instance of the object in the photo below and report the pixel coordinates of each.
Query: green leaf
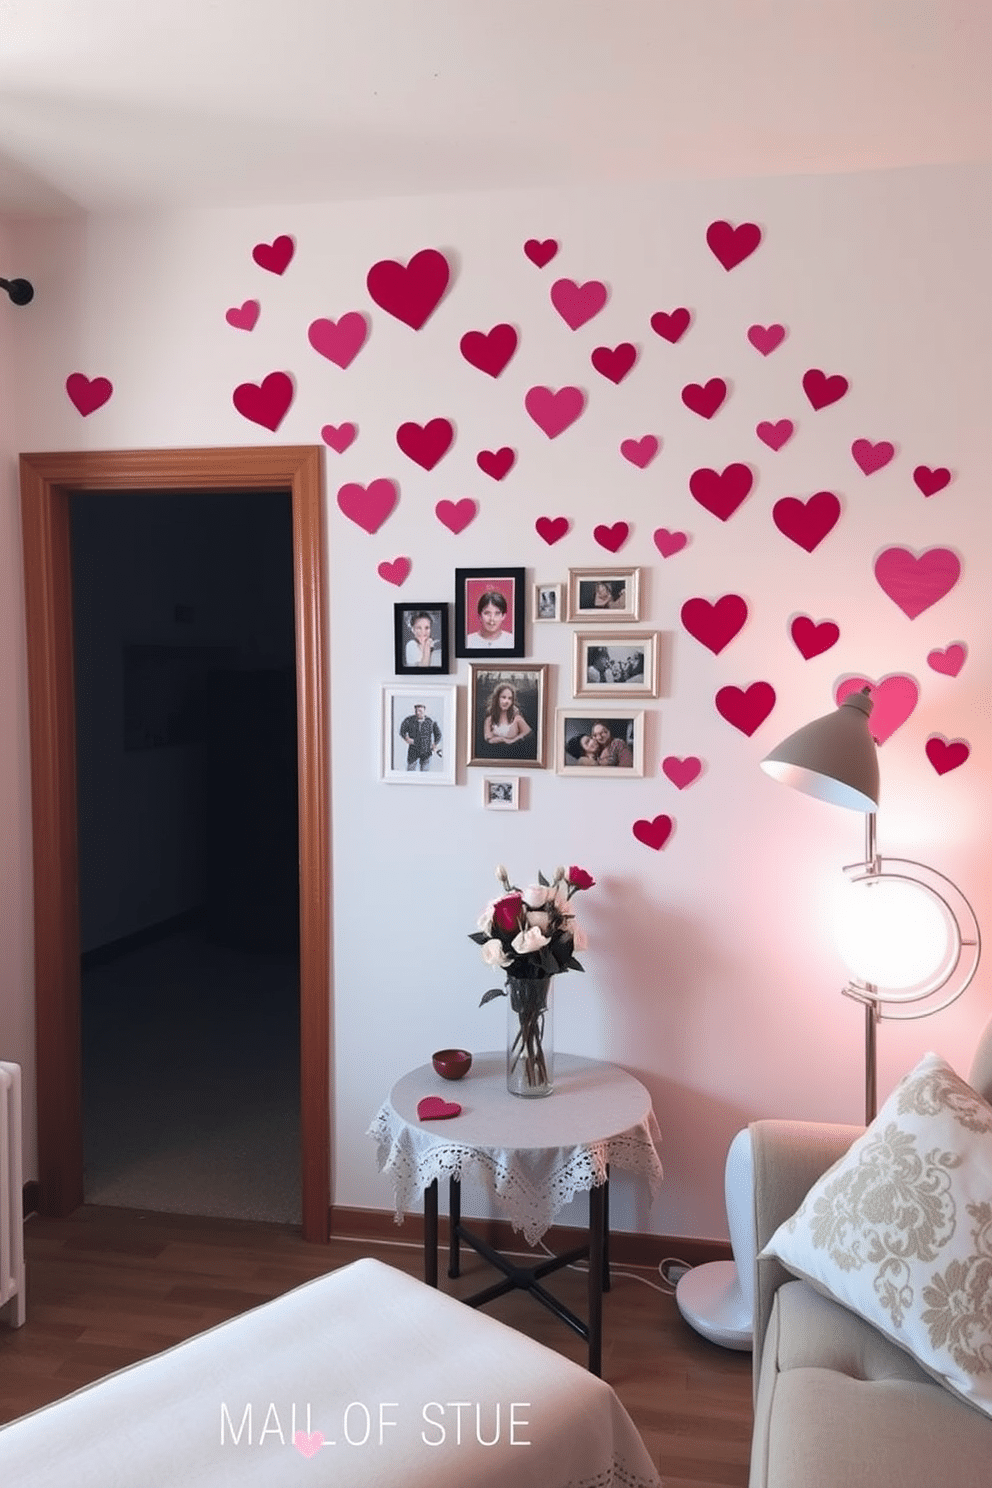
column 574, row 965
column 493, row 992
column 479, row 937
column 542, row 880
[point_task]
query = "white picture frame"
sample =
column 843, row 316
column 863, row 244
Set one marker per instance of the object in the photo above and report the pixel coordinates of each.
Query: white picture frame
column 402, row 761
column 546, row 603
column 501, row 792
column 621, row 757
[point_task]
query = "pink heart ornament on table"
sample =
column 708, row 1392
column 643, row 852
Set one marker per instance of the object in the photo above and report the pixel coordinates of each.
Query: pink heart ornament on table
column 682, row 772
column 946, row 754
column 395, row 572
column 641, row 452
column 368, row 506
column 433, row 1108
column 894, row 698
column 654, row 832
column 340, row 340
column 871, row 457
column 338, row 436
column 766, row 338
column 948, row 661
column 577, row 303
column 456, row 515
column 775, row 435
column 668, row 543
column 554, row 410
column 915, row 581
column 243, row 317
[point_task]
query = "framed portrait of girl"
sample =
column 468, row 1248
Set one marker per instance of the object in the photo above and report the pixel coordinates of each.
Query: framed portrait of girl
column 489, row 612
column 506, row 709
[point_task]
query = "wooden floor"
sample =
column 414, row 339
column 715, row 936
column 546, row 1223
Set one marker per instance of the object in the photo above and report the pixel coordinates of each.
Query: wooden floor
column 107, row 1287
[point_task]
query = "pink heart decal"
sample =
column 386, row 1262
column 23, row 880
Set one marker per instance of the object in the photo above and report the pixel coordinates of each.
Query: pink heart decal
column 456, row 515
column 640, row 452
column 766, row 338
column 552, row 529
column 412, row 291
column 822, row 390
column 614, row 362
column 949, row 661
column 811, row 639
column 489, row 350
column 894, row 698
column 704, row 399
column 806, row 522
column 433, row 1108
column 265, row 403
column 732, row 245
column 774, row 435
column 669, row 543
column 243, row 317
column 915, row 582
column 425, row 443
column 554, row 411
column 368, row 506
column 672, row 325
column 396, row 572
column 308, row 1443
column 341, row 340
column 746, row 708
column 871, row 457
column 654, row 833
column 338, row 436
column 612, row 538
column 577, row 303
column 496, row 463
column 946, row 754
column 931, row 481
column 714, row 625
column 721, row 491
column 540, row 252
column 85, row 395
column 682, row 772
column 275, row 256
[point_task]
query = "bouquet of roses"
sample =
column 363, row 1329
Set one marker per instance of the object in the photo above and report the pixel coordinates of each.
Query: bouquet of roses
column 533, row 932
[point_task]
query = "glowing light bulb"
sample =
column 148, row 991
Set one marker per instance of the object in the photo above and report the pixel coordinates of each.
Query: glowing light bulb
column 893, row 933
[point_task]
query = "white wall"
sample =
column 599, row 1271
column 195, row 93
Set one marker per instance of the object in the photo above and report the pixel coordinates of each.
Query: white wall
column 711, row 972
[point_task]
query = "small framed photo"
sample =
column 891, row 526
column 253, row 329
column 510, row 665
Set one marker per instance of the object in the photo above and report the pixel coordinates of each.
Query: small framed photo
column 418, row 735
column 599, row 744
column 546, row 602
column 609, row 664
column 506, row 714
column 501, row 792
column 489, row 611
column 604, row 594
column 420, row 638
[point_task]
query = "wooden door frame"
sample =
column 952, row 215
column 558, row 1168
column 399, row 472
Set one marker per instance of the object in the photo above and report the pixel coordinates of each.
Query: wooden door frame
column 47, row 482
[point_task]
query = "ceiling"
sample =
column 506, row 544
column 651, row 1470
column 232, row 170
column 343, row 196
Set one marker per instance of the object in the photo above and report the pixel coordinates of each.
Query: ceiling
column 121, row 105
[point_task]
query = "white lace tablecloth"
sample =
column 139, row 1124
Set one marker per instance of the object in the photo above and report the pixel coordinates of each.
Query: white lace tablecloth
column 532, row 1155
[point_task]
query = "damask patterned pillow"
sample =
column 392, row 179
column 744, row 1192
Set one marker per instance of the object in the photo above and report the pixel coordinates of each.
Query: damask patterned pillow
column 900, row 1229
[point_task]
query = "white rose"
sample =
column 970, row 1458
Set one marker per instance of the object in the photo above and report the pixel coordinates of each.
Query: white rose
column 536, row 895
column 528, row 940
column 492, row 954
column 538, row 918
column 571, row 926
column 485, row 920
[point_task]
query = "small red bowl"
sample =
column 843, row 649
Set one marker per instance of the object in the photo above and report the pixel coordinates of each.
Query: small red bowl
column 451, row 1064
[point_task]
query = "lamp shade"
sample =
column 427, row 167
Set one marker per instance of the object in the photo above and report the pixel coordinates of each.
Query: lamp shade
column 833, row 758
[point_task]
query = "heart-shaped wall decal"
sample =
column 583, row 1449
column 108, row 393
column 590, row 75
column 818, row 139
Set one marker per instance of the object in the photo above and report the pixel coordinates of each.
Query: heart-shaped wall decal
column 949, row 661
column 540, row 251
column 946, row 754
column 577, row 303
column 496, row 463
column 489, row 350
column 721, row 491
column 552, row 529
column 612, row 538
column 774, row 435
column 806, row 522
column 275, row 256
column 682, row 772
column 368, row 506
column 87, row 394
column 433, row 1108
column 425, row 444
column 244, row 317
column 746, row 708
column 668, row 543
column 894, row 699
column 640, row 452
column 766, row 338
column 871, row 457
column 705, row 398
column 930, row 481
column 822, row 390
column 340, row 340
column 915, row 581
column 553, row 411
column 654, row 833
column 397, row 572
column 338, row 436
column 671, row 325
column 732, row 245
column 614, row 362
column 456, row 515
column 811, row 638
column 714, row 624
column 267, row 402
column 411, row 292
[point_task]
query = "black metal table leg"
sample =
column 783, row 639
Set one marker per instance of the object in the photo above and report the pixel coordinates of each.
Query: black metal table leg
column 430, row 1234
column 597, row 1276
column 454, row 1220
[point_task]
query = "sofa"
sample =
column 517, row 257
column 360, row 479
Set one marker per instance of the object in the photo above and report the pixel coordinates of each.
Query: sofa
column 836, row 1402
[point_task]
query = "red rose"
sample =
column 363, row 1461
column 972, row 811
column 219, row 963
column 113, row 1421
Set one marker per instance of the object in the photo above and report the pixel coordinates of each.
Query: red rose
column 580, row 879
column 506, row 912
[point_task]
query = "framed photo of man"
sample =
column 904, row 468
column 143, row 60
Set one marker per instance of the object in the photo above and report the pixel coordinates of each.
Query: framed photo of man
column 604, row 594
column 489, row 611
column 615, row 664
column 599, row 745
column 506, row 712
column 420, row 639
column 418, row 735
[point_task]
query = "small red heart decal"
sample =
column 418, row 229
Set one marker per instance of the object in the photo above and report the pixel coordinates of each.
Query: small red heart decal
column 540, row 251
column 721, row 492
column 396, row 572
column 411, row 291
column 640, row 452
column 669, row 543
column 85, row 395
column 489, row 350
column 552, row 529
column 894, row 699
column 340, row 340
column 949, row 661
column 553, row 411
column 746, row 708
column 456, row 515
column 822, row 390
column 265, row 403
column 714, row 625
column 946, row 754
column 577, row 303
column 812, row 639
column 654, row 833
column 243, row 317
column 612, row 538
column 275, row 256
column 766, row 338
column 433, row 1108
column 496, row 463
column 931, row 481
column 775, row 435
column 368, row 506
column 425, row 443
column 806, row 522
column 871, row 457
column 704, row 398
column 614, row 362
column 732, row 245
column 671, row 325
column 338, row 436
column 682, row 772
column 916, row 581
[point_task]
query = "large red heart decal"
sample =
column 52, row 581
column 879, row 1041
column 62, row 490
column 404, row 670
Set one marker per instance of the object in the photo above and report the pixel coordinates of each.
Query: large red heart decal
column 243, row 317
column 654, row 833
column 916, row 581
column 894, row 699
column 949, row 661
column 704, row 398
column 425, row 443
column 396, row 572
column 946, row 754
column 822, row 390
column 552, row 410
column 340, row 340
column 368, row 506
column 275, row 256
column 640, row 452
column 746, row 708
column 669, row 543
column 87, row 395
column 806, row 522
column 456, row 515
column 411, row 291
column 489, row 350
column 671, row 324
column 338, row 436
column 611, row 538
column 812, row 639
column 266, row 402
column 496, row 463
column 552, row 529
column 433, row 1108
column 682, row 772
column 715, row 624
column 871, row 457
column 577, row 303
column 614, row 362
column 766, row 338
column 721, row 491
column 930, row 481
column 540, row 251
column 732, row 245
column 774, row 435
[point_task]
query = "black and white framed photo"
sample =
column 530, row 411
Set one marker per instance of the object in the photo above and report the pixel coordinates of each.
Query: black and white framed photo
column 546, row 602
column 501, row 792
column 597, row 745
column 489, row 611
column 418, row 735
column 420, row 638
column 615, row 664
column 604, row 594
column 506, row 714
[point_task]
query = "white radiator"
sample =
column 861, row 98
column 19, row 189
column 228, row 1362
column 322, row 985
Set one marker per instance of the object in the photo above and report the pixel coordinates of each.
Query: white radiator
column 11, row 1198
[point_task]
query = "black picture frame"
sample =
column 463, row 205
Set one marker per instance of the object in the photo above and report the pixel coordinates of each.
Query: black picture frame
column 472, row 586
column 404, row 618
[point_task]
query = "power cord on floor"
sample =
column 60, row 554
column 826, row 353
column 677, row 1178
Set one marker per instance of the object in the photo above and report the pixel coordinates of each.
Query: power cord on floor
column 671, row 1269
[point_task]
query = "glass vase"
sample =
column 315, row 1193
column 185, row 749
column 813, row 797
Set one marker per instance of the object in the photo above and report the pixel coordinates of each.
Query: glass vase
column 530, row 1044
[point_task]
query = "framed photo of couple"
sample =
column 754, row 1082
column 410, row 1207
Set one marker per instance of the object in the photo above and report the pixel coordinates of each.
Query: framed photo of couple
column 489, row 611
column 506, row 713
column 604, row 594
column 599, row 745
column 418, row 735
